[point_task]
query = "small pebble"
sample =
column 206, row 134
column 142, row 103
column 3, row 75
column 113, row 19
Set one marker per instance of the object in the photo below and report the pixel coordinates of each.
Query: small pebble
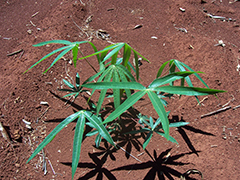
column 181, row 9
column 29, row 31
column 154, row 37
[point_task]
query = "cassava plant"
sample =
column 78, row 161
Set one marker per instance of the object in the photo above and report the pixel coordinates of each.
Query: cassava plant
column 118, row 74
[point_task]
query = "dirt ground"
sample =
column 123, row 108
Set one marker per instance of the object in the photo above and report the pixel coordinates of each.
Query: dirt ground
column 186, row 30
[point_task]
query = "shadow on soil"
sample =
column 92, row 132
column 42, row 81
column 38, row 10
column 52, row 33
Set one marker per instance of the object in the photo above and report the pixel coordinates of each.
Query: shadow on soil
column 182, row 132
column 158, row 165
column 96, row 166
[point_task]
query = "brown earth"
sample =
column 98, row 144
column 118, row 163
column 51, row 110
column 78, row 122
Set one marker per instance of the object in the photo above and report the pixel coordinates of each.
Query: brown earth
column 202, row 144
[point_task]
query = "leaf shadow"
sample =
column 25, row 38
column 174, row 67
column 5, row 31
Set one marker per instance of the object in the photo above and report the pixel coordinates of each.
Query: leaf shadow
column 97, row 168
column 159, row 166
column 106, row 150
column 67, row 101
column 184, row 135
column 129, row 141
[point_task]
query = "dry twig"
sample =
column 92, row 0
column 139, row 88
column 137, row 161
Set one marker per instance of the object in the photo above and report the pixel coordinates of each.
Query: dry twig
column 215, row 112
column 35, row 14
column 51, row 166
column 202, row 100
column 42, row 115
column 127, row 152
column 229, row 101
column 236, row 107
column 15, row 52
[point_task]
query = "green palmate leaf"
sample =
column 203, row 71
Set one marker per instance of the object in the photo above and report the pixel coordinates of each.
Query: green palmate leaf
column 170, row 137
column 172, row 70
column 77, row 81
column 128, row 67
column 159, row 108
column 144, row 121
column 178, row 124
column 120, row 60
column 101, row 63
column 70, row 46
column 48, row 55
column 91, row 125
column 181, row 68
column 53, row 42
column 124, row 79
column 142, row 117
column 114, row 58
column 91, row 133
column 94, row 76
column 102, row 51
column 98, row 140
column 126, row 72
column 125, row 105
column 107, row 71
column 53, row 133
column 112, row 46
column 103, row 92
column 75, row 53
column 161, row 69
column 115, row 85
column 131, row 67
column 139, row 54
column 172, row 67
column 68, row 84
column 136, row 54
column 170, row 78
column 95, row 50
column 103, row 55
column 104, row 72
column 114, row 51
column 147, row 139
column 126, row 54
column 116, row 92
column 151, row 122
column 190, row 69
column 158, row 121
column 182, row 81
column 77, row 142
column 189, row 82
column 189, row 91
column 97, row 123
column 59, row 56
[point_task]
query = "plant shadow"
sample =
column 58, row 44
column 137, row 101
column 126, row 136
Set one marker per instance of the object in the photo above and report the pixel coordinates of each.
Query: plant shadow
column 184, row 135
column 76, row 106
column 159, row 166
column 96, row 167
column 106, row 150
column 129, row 141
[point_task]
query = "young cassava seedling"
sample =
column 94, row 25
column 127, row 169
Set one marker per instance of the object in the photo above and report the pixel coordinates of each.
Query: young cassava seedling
column 117, row 74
